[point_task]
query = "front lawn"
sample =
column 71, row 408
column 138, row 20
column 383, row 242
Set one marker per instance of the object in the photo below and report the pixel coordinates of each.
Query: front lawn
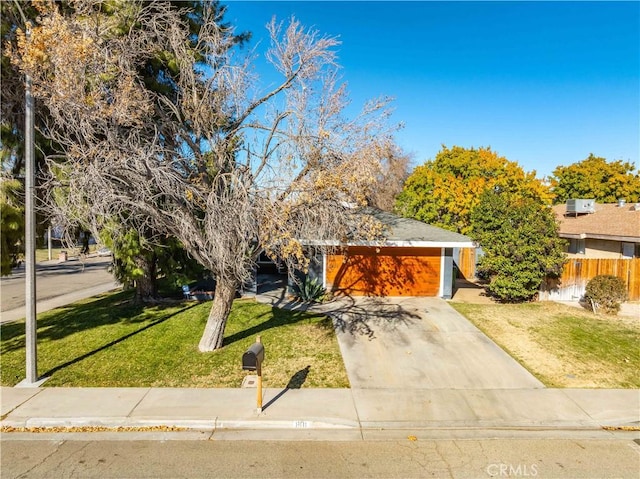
column 561, row 345
column 109, row 342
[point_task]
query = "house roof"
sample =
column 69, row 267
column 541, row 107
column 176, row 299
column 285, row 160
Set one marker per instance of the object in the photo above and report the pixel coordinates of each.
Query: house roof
column 608, row 222
column 409, row 232
column 402, row 232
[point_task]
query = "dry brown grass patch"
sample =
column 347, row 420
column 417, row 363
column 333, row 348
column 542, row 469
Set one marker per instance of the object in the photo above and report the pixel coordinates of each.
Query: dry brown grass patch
column 563, row 346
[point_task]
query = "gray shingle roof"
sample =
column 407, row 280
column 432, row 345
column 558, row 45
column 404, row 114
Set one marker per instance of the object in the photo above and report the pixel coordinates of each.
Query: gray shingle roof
column 409, row 230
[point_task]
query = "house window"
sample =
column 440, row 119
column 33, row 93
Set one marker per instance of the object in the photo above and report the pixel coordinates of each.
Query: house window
column 576, row 246
column 628, row 250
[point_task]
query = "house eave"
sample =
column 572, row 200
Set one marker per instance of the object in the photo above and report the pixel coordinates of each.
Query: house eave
column 573, row 235
column 392, row 244
column 624, row 239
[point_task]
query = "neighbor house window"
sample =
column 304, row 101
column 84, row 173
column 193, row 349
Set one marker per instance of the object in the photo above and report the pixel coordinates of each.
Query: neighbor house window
column 628, row 250
column 576, row 246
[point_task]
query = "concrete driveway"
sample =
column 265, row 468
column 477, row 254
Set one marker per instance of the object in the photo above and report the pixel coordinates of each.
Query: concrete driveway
column 420, row 343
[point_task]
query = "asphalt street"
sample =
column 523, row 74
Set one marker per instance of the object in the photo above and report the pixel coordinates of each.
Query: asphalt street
column 57, row 284
column 408, row 458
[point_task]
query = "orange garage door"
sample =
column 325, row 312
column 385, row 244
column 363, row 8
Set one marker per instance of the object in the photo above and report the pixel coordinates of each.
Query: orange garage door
column 388, row 272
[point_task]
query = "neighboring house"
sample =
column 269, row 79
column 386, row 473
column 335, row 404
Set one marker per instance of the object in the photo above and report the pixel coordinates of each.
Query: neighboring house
column 602, row 239
column 602, row 231
column 414, row 259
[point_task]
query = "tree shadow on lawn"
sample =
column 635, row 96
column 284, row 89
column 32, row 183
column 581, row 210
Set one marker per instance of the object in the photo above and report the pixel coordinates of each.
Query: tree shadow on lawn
column 71, row 319
column 279, row 317
column 82, row 357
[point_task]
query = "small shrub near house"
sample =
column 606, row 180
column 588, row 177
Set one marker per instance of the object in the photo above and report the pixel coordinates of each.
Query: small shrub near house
column 310, row 291
column 605, row 293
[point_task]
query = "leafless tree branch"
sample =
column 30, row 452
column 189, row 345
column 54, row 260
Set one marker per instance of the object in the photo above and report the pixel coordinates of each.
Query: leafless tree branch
column 173, row 161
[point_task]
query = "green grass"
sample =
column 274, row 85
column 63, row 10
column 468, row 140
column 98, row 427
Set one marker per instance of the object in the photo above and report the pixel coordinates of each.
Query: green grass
column 42, row 254
column 561, row 345
column 110, row 342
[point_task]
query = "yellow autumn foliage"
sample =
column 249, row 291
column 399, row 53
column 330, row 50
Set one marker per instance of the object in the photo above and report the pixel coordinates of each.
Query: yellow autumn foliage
column 443, row 192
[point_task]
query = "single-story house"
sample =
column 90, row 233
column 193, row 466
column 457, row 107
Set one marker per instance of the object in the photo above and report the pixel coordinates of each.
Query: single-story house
column 602, row 239
column 595, row 230
column 413, row 259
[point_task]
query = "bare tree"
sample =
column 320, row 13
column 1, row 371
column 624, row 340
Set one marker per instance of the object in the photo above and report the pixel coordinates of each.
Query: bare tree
column 394, row 170
column 225, row 166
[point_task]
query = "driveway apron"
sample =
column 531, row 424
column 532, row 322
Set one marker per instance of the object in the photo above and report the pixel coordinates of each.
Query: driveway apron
column 420, row 343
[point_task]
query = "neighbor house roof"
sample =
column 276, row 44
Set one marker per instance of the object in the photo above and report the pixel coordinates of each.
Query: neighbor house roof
column 608, row 222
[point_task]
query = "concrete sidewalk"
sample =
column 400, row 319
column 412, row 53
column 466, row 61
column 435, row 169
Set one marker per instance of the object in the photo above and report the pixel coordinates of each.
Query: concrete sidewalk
column 331, row 414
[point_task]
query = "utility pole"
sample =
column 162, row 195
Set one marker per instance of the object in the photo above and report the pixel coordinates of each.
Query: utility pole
column 29, row 227
column 30, row 235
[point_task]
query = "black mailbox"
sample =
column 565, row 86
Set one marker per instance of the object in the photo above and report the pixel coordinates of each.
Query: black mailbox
column 253, row 357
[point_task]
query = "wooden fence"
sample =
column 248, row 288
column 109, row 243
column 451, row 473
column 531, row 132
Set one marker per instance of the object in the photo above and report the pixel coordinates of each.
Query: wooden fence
column 466, row 262
column 578, row 271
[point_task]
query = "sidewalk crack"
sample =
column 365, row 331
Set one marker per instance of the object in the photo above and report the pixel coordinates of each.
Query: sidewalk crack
column 138, row 403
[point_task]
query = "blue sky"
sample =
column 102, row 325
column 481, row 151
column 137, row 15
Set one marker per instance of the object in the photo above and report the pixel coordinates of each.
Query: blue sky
column 542, row 83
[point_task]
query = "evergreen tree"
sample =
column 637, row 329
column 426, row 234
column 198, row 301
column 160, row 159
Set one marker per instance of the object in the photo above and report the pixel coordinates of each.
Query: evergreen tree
column 521, row 245
column 12, row 222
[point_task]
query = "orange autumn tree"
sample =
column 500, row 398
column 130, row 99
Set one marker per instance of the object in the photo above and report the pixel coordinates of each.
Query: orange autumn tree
column 443, row 192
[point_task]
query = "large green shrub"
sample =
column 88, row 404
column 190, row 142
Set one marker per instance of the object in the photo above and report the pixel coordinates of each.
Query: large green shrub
column 519, row 237
column 606, row 292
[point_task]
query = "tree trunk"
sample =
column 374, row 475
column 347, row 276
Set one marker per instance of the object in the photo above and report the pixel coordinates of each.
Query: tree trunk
column 217, row 321
column 146, row 285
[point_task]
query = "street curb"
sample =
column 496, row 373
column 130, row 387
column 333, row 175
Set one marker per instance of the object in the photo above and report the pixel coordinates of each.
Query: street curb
column 53, row 302
column 216, row 424
column 182, row 430
column 187, row 424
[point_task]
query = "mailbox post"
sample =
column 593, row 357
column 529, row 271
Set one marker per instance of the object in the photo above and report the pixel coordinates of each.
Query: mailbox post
column 252, row 361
